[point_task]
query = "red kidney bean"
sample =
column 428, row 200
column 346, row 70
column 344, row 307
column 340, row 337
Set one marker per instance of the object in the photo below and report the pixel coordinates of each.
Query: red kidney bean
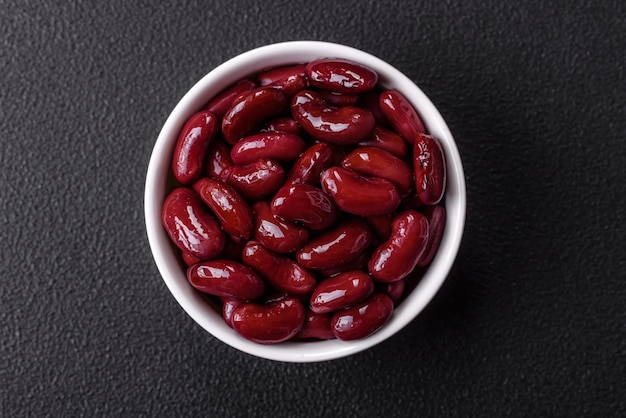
column 363, row 319
column 370, row 101
column 218, row 162
column 228, row 307
column 190, row 226
column 387, row 140
column 339, row 99
column 376, row 162
column 401, row 115
column 291, row 85
column 341, row 76
column 289, row 80
column 231, row 251
column 242, row 96
column 191, row 146
column 280, row 272
column 306, row 204
column 307, row 169
column 436, row 216
column 359, row 263
column 257, row 180
column 338, row 125
column 276, row 146
column 246, row 114
column 270, row 323
column 381, row 224
column 229, row 207
column 189, row 259
column 342, row 291
column 275, row 233
column 360, row 195
column 227, row 279
column 316, row 326
column 224, row 100
column 393, row 289
column 282, row 73
column 397, row 257
column 430, row 169
column 281, row 124
column 344, row 243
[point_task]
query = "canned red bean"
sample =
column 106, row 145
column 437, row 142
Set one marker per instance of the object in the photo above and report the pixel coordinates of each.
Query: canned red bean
column 304, row 196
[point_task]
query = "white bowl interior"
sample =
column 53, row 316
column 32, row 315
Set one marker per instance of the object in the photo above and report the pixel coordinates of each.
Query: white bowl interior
column 241, row 66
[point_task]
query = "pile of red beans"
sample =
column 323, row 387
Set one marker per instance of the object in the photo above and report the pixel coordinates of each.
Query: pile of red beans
column 307, row 199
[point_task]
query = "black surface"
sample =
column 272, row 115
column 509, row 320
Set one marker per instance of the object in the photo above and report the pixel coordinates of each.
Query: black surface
column 532, row 321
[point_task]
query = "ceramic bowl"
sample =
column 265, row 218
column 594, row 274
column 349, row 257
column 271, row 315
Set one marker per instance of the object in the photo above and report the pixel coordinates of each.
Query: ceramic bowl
column 207, row 315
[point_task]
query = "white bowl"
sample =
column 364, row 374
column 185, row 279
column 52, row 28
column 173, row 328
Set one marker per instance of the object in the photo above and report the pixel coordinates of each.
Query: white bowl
column 209, row 317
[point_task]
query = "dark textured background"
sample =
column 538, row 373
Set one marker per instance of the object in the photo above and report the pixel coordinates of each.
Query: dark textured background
column 532, row 321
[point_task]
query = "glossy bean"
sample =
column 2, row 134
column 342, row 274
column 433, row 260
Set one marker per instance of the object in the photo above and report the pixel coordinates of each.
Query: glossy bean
column 394, row 290
column 276, row 146
column 233, row 212
column 305, row 204
column 218, row 162
column 316, row 327
column 436, row 216
column 189, row 259
column 190, row 226
column 290, row 86
column 307, row 169
column 344, row 243
column 289, row 79
column 397, row 257
column 370, row 101
column 337, row 125
column 246, row 114
column 359, row 263
column 342, row 291
column 192, row 145
column 339, row 99
column 275, row 233
column 231, row 251
column 239, row 98
column 387, row 140
column 227, row 279
column 277, row 74
column 341, row 76
column 430, row 169
column 363, row 319
column 257, row 180
column 360, row 195
column 401, row 114
column 224, row 100
column 376, row 162
column 283, row 124
column 228, row 307
column 282, row 273
column 269, row 323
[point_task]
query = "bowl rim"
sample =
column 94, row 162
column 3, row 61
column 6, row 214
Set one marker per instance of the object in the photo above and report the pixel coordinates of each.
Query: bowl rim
column 285, row 53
